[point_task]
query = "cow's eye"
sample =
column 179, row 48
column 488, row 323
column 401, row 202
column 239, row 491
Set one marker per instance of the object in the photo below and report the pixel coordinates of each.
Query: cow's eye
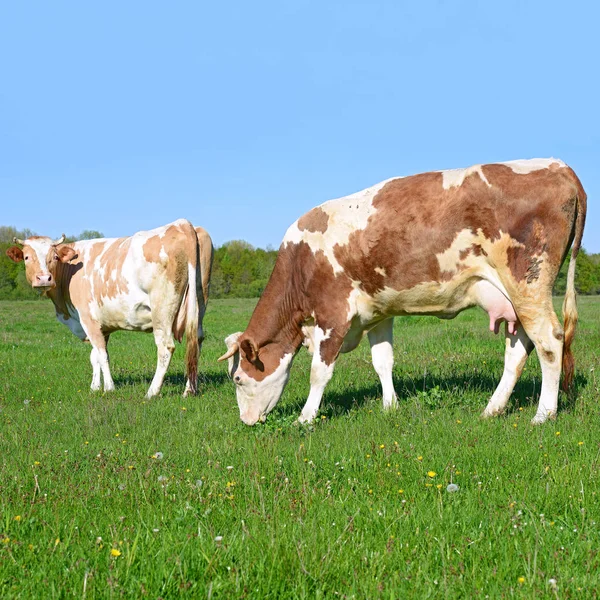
column 26, row 257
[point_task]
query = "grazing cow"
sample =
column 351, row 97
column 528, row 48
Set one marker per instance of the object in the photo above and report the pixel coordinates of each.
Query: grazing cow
column 437, row 243
column 152, row 281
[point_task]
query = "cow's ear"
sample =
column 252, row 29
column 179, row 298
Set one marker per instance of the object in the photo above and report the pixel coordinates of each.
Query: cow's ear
column 250, row 350
column 65, row 254
column 15, row 254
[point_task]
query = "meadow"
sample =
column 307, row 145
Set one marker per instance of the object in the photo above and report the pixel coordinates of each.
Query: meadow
column 112, row 495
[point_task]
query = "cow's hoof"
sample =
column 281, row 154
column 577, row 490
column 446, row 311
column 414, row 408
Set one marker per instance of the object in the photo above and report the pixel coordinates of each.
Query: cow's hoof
column 489, row 413
column 390, row 404
column 306, row 419
column 542, row 418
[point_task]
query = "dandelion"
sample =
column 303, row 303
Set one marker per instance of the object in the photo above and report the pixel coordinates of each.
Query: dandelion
column 370, row 491
column 6, row 540
column 419, row 458
column 452, row 487
column 18, row 518
column 114, row 552
column 158, row 455
column 36, row 462
column 580, row 443
column 439, row 486
column 401, row 491
column 381, row 446
column 26, row 402
column 458, row 421
column 183, row 408
column 521, row 580
column 57, row 541
column 558, row 433
column 431, row 474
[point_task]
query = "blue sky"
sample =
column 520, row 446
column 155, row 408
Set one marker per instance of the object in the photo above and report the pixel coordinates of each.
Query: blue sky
column 240, row 116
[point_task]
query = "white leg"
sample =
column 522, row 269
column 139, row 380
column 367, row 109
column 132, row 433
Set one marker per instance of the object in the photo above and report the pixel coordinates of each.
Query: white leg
column 382, row 353
column 109, row 385
column 96, row 383
column 320, row 374
column 165, row 346
column 518, row 347
column 547, row 335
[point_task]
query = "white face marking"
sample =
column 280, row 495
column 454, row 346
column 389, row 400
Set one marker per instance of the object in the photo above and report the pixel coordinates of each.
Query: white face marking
column 346, row 215
column 456, row 177
column 256, row 399
column 41, row 249
column 524, row 166
column 380, row 270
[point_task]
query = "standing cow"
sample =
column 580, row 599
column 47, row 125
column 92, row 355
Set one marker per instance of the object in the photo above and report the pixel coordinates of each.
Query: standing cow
column 152, row 281
column 437, row 243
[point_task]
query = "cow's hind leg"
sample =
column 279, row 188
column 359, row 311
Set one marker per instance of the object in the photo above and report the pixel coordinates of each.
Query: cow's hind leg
column 546, row 333
column 518, row 347
column 382, row 353
column 165, row 346
column 326, row 349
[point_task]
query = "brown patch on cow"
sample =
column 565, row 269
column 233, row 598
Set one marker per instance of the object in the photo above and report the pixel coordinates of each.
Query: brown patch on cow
column 549, row 355
column 314, row 221
column 178, row 246
column 414, row 221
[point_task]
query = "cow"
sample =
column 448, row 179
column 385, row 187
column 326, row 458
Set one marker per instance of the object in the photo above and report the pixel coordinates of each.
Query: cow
column 154, row 281
column 491, row 235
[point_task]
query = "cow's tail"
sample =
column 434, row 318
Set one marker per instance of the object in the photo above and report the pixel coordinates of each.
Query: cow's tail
column 570, row 302
column 191, row 324
column 206, row 250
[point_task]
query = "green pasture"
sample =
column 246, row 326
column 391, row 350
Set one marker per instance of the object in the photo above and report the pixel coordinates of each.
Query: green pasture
column 109, row 496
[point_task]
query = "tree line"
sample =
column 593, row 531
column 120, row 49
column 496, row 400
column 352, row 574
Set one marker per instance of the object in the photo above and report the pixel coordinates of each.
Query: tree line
column 241, row 271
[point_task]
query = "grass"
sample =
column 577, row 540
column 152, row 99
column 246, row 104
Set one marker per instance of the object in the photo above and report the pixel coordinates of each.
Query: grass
column 353, row 507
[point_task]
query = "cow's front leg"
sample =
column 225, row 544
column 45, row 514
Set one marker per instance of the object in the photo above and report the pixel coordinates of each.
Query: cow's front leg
column 326, row 349
column 165, row 346
column 518, row 347
column 382, row 354
column 99, row 359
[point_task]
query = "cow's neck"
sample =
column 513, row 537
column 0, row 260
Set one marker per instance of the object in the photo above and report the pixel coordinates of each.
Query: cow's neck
column 60, row 294
column 279, row 314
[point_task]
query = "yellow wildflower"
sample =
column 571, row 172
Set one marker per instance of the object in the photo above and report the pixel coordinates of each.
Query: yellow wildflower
column 114, row 552
column 431, row 473
column 521, row 580
column 18, row 518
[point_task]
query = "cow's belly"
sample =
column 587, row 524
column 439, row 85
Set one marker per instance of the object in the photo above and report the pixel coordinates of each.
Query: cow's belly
column 130, row 313
column 446, row 299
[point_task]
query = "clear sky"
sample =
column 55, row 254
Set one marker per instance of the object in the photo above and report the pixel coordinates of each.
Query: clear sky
column 241, row 116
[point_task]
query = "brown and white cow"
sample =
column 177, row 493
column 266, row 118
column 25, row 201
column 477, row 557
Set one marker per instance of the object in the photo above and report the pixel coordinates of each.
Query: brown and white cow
column 152, row 281
column 437, row 243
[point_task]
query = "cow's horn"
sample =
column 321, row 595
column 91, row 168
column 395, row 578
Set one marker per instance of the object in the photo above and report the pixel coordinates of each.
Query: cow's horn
column 234, row 348
column 60, row 240
column 18, row 241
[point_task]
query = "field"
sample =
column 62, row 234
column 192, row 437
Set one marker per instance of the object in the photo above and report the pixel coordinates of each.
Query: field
column 112, row 495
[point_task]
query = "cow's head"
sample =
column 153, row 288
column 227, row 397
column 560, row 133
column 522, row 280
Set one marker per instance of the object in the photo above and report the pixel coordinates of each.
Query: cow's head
column 259, row 374
column 41, row 256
